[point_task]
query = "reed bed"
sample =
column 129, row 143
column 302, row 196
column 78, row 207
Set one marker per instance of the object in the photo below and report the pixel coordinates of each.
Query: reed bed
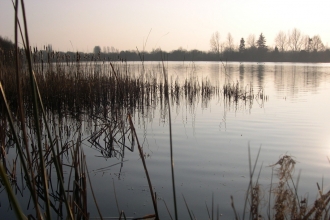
column 233, row 91
column 75, row 85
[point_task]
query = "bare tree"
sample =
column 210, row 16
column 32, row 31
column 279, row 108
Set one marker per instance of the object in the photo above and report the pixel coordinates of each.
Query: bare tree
column 295, row 39
column 251, row 40
column 317, row 44
column 230, row 42
column 114, row 50
column 215, row 42
column 306, row 43
column 281, row 41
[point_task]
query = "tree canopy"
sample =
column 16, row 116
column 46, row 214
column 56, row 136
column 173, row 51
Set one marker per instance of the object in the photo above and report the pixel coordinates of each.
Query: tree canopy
column 97, row 49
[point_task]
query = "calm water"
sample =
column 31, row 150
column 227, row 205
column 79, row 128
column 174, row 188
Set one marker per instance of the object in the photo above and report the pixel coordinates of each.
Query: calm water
column 211, row 139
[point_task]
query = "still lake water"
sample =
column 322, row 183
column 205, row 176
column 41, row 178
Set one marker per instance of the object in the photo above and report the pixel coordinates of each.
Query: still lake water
column 211, row 140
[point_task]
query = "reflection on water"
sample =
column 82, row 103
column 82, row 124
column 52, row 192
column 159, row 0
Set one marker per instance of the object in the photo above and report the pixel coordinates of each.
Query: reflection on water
column 282, row 107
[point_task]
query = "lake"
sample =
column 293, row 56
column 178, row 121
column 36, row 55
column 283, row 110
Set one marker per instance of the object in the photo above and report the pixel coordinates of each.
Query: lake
column 211, row 137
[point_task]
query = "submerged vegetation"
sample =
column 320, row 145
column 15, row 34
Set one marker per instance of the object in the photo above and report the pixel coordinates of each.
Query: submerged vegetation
column 42, row 88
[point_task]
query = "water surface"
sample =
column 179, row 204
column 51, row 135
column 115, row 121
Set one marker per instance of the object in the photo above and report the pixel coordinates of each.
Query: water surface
column 211, row 139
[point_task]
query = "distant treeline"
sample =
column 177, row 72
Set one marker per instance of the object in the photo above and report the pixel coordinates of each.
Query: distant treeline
column 251, row 54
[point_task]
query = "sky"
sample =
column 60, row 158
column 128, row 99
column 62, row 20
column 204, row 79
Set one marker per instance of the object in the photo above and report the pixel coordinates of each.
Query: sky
column 74, row 25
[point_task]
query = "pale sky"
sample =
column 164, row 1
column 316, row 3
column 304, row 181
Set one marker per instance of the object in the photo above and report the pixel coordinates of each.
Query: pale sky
column 125, row 24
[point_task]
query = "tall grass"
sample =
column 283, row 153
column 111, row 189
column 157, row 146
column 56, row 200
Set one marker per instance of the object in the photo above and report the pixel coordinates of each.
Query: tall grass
column 36, row 171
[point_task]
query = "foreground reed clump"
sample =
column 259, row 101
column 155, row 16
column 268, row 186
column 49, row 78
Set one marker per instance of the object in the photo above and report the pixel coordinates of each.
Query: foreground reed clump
column 284, row 201
column 288, row 204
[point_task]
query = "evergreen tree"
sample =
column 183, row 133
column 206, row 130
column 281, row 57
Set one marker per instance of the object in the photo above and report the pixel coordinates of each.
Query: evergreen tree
column 261, row 42
column 242, row 45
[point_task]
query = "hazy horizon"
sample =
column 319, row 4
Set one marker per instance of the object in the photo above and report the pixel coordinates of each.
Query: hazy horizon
column 127, row 25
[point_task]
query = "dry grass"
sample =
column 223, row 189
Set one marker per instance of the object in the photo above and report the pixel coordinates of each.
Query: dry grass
column 284, row 199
